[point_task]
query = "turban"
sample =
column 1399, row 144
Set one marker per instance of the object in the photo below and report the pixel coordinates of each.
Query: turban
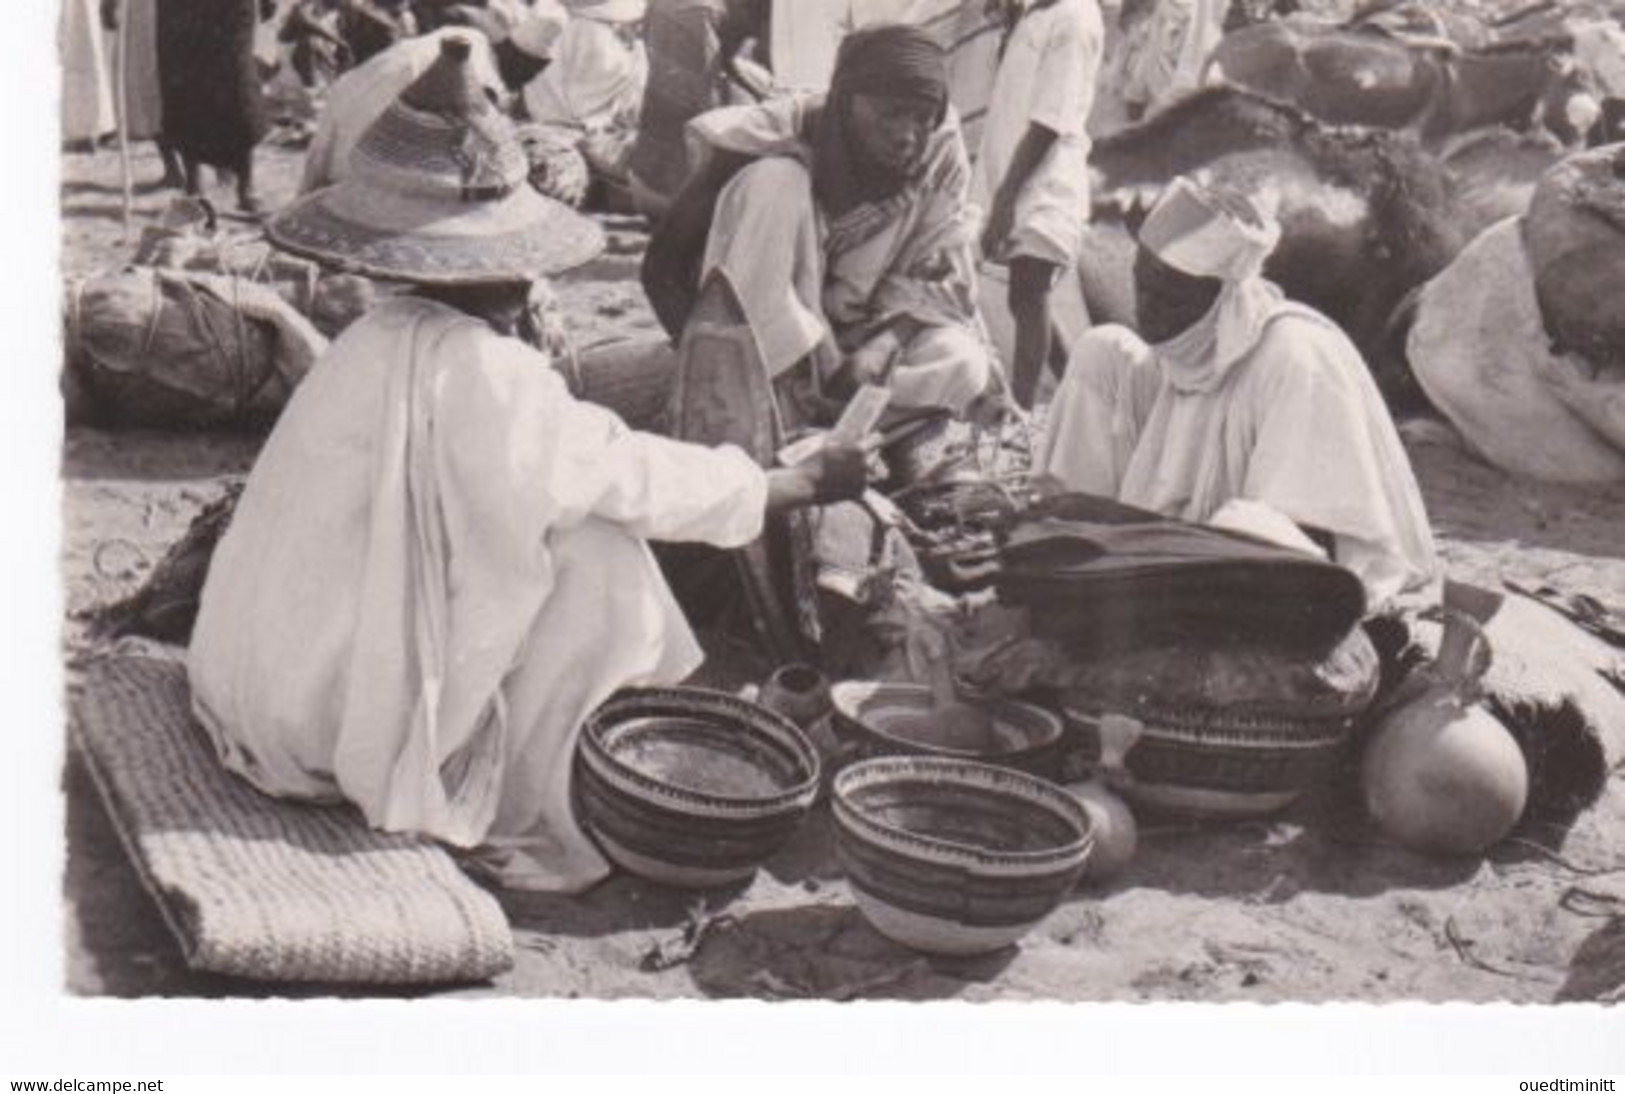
column 893, row 60
column 537, row 32
column 1205, row 231
column 610, row 11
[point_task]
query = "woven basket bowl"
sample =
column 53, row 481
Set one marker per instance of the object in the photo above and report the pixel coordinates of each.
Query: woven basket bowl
column 954, row 857
column 1199, row 764
column 1222, row 731
column 881, row 720
column 689, row 787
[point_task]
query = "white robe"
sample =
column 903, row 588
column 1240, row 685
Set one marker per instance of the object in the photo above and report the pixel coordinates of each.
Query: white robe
column 806, row 34
column 1295, row 424
column 595, row 82
column 1161, row 58
column 436, row 571
column 87, row 88
column 144, row 108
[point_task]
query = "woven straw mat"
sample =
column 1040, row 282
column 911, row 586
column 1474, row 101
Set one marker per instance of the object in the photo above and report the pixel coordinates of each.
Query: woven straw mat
column 256, row 887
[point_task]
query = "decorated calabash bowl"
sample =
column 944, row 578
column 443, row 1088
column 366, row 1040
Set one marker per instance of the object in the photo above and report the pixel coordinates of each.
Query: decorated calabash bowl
column 1223, row 732
column 893, row 719
column 954, row 857
column 691, row 787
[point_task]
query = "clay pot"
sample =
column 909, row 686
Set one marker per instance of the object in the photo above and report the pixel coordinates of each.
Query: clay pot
column 1116, row 833
column 1441, row 774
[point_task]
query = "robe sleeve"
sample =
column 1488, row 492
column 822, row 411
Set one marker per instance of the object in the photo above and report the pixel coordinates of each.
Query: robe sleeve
column 523, row 440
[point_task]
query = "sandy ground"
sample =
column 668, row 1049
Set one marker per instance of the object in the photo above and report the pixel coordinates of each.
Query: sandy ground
column 1310, row 906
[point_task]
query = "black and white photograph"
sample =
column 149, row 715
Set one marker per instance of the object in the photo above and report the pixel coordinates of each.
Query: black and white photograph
column 840, row 501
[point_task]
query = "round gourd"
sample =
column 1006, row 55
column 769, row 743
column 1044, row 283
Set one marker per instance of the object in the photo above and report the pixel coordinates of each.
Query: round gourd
column 1444, row 776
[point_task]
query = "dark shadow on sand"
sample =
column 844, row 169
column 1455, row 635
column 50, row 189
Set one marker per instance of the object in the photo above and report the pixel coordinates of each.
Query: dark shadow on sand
column 828, row 951
column 150, row 455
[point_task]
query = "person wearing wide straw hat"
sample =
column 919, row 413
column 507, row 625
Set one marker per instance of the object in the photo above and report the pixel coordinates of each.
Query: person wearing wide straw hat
column 1235, row 406
column 504, row 65
column 438, row 565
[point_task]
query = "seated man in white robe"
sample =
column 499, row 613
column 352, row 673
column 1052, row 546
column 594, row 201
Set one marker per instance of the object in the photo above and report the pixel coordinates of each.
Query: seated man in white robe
column 592, row 93
column 1233, row 405
column 438, row 566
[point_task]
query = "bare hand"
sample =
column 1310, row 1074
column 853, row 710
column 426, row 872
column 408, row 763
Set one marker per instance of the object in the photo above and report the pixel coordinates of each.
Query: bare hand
column 1001, row 221
column 838, row 471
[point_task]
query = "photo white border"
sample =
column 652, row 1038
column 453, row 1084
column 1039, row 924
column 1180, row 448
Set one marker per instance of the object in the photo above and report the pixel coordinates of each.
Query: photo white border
column 45, row 1031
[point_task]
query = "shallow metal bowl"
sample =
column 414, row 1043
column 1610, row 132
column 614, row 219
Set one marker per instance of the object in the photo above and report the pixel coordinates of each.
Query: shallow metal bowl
column 888, row 719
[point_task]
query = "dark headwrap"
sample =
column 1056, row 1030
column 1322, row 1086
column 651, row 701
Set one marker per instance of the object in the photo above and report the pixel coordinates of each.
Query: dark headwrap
column 895, row 61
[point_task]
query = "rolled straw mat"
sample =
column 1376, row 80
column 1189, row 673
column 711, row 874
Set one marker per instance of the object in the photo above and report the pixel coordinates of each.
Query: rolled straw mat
column 257, row 887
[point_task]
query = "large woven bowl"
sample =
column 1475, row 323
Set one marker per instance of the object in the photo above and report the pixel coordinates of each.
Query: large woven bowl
column 953, row 857
column 1221, row 732
column 690, row 787
column 883, row 719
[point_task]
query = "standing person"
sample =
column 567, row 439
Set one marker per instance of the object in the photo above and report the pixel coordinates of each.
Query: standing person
column 357, row 98
column 316, row 47
column 371, row 26
column 1233, row 403
column 87, row 94
column 214, row 105
column 1164, row 46
column 1032, row 170
column 137, row 22
column 439, row 565
column 693, row 48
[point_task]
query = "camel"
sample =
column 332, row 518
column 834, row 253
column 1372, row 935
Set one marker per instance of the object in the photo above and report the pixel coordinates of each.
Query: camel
column 1355, row 77
column 1367, row 215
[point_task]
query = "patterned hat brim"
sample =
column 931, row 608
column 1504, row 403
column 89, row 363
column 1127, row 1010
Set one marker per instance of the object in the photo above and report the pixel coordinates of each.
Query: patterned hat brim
column 364, row 230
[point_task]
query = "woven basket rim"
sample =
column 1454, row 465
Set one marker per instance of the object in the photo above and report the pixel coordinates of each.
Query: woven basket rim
column 704, row 702
column 967, row 773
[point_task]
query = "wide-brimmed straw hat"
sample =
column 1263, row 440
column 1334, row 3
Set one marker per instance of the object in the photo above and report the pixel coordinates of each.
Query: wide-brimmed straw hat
column 438, row 193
